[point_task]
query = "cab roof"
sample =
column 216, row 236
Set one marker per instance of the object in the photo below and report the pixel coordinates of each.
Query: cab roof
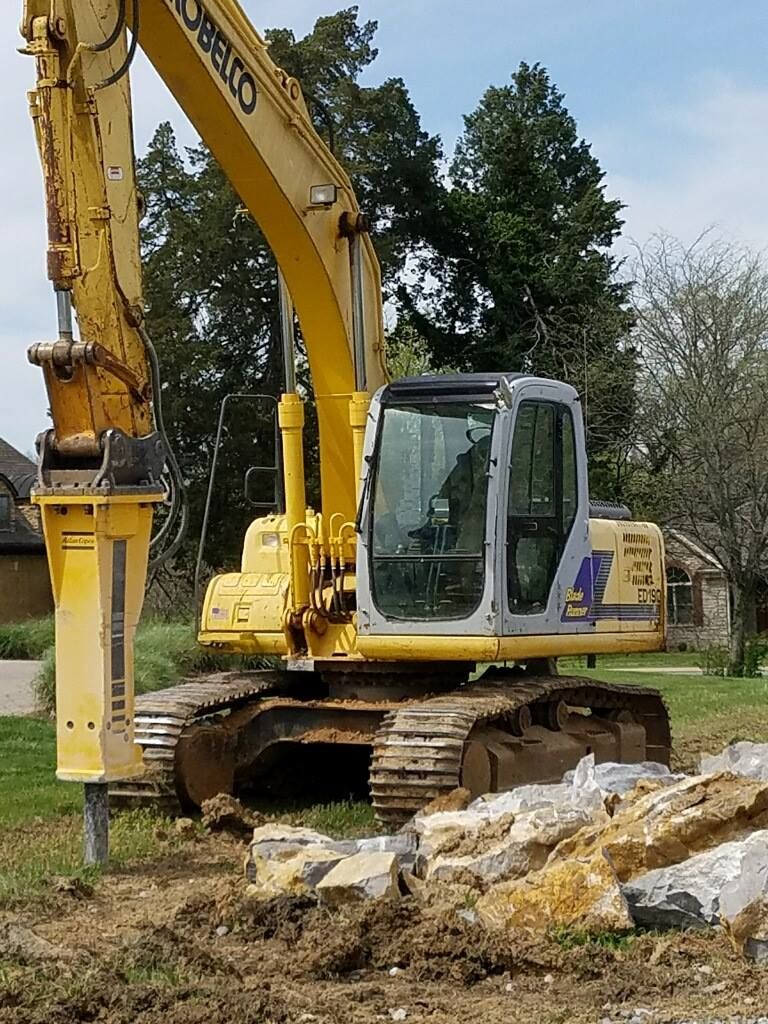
column 447, row 385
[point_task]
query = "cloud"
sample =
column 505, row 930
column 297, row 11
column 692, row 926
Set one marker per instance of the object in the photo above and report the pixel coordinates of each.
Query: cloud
column 695, row 165
column 27, row 311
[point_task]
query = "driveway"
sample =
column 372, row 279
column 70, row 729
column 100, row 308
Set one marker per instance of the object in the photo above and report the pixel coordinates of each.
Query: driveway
column 16, row 696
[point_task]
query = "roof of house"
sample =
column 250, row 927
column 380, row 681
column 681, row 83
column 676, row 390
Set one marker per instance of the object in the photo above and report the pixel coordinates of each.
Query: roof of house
column 22, row 537
column 682, row 538
column 17, row 468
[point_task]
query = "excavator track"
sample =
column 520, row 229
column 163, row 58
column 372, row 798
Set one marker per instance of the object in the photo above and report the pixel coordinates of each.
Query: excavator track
column 419, row 750
column 161, row 717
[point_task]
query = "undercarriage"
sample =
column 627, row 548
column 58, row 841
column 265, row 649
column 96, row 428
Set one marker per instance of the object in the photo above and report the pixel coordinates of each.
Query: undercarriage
column 416, row 736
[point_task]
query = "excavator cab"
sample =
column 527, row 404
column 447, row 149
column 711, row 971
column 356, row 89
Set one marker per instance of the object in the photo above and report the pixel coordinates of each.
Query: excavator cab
column 474, row 505
column 475, row 521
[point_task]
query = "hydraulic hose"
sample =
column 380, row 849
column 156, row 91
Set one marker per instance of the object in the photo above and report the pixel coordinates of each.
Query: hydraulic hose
column 178, row 491
column 114, row 35
column 125, row 66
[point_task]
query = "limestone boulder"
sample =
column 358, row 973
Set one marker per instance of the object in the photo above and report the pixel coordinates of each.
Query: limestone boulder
column 503, row 847
column 296, row 872
column 529, row 797
column 589, row 786
column 362, row 876
column 579, row 789
column 404, row 845
column 583, row 894
column 433, row 832
column 668, row 825
column 578, row 799
column 743, row 758
column 748, row 930
column 283, row 859
column 687, row 895
column 276, row 840
column 612, row 778
column 744, row 902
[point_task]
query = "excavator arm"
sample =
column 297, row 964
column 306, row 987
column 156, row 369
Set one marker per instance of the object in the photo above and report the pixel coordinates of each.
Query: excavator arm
column 102, row 463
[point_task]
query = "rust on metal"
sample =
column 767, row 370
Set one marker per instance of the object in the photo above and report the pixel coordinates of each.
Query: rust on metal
column 68, row 355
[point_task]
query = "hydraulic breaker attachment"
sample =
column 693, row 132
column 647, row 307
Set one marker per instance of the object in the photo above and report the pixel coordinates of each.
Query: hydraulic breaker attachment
column 98, row 549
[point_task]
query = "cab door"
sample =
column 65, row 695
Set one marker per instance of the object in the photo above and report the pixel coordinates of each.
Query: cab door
column 545, row 512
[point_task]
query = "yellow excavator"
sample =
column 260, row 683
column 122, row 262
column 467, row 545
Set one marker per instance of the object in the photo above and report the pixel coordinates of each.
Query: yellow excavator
column 418, row 616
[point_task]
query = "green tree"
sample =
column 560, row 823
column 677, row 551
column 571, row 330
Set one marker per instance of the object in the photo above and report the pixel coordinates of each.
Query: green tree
column 374, row 131
column 519, row 273
column 211, row 282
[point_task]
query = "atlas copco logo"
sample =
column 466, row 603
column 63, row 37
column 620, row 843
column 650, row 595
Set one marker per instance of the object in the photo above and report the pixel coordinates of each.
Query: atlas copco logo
column 212, row 41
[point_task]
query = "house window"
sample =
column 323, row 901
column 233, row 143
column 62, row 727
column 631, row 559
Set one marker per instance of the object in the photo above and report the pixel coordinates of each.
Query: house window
column 5, row 512
column 679, row 597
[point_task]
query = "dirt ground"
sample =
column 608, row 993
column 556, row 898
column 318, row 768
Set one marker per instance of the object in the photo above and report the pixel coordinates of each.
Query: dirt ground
column 177, row 941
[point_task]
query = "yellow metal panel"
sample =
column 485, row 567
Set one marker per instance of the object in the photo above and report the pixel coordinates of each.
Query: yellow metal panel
column 485, row 649
column 642, row 583
column 333, row 641
column 251, row 644
column 562, row 645
column 265, row 549
column 635, row 587
column 428, row 648
column 245, row 602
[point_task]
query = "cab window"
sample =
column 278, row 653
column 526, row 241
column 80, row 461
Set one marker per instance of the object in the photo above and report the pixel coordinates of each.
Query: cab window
column 542, row 501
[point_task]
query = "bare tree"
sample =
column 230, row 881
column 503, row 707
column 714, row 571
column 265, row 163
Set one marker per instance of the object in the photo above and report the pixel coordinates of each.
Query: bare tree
column 702, row 336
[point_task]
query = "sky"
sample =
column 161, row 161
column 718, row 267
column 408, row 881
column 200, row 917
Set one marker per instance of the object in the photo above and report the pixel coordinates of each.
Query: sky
column 672, row 94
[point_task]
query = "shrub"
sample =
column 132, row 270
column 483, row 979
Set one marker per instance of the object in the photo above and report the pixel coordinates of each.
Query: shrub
column 713, row 660
column 164, row 653
column 755, row 650
column 26, row 641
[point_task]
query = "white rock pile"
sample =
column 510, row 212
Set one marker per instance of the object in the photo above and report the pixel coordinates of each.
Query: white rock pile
column 610, row 847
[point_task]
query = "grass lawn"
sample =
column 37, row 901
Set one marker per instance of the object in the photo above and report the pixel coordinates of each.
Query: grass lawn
column 41, row 818
column 706, row 712
column 28, row 787
column 660, row 659
column 696, row 699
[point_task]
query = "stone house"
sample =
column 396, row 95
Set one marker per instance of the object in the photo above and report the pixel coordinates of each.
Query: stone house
column 25, row 588
column 698, row 598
